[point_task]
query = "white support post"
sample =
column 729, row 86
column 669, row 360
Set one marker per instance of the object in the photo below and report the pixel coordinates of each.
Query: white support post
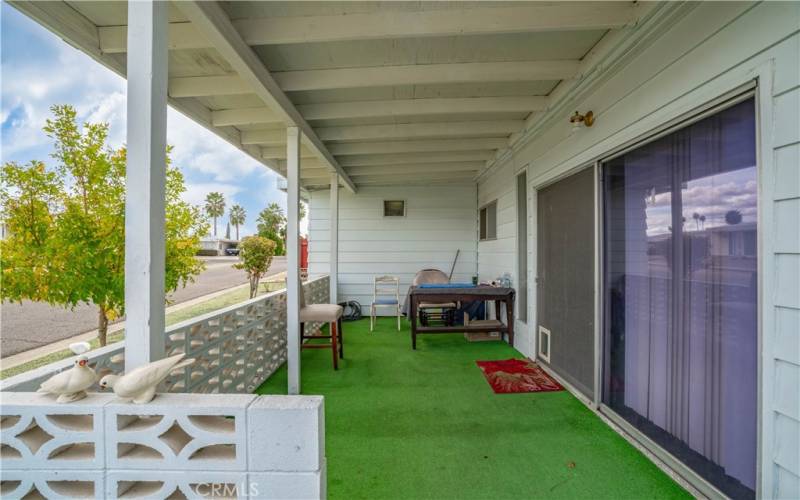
column 145, row 179
column 293, row 289
column 334, row 229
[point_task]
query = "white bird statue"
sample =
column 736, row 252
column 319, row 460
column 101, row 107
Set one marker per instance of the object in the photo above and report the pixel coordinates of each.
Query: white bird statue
column 140, row 384
column 71, row 385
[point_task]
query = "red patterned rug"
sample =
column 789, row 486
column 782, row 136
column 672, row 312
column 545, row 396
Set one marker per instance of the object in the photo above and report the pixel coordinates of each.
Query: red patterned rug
column 517, row 375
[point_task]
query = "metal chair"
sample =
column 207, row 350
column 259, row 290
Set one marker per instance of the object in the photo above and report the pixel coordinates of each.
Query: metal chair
column 385, row 293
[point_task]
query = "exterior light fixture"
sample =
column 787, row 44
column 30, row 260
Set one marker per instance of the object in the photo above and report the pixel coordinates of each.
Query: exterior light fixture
column 577, row 119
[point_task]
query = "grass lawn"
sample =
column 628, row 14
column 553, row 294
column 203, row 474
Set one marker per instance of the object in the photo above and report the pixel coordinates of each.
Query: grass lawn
column 219, row 302
column 425, row 424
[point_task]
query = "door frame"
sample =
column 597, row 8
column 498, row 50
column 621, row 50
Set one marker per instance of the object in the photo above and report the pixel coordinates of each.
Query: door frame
column 756, row 85
column 688, row 106
column 527, row 325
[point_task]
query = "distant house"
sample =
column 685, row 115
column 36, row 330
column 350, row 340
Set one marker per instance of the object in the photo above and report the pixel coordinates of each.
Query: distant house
column 210, row 245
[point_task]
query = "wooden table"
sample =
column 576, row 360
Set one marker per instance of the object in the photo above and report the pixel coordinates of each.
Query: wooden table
column 442, row 295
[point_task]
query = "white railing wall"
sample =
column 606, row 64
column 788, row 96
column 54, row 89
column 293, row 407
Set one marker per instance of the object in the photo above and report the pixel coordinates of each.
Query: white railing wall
column 236, row 348
column 177, row 446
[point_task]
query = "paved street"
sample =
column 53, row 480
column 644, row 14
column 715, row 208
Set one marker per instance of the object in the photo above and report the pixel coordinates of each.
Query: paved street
column 33, row 324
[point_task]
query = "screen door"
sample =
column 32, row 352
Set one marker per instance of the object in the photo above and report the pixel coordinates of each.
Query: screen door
column 565, row 277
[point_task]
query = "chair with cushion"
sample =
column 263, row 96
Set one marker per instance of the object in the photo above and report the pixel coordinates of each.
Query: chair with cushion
column 385, row 293
column 322, row 313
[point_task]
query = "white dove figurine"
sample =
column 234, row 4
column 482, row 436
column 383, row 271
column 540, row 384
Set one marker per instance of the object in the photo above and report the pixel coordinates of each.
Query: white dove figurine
column 141, row 383
column 71, row 385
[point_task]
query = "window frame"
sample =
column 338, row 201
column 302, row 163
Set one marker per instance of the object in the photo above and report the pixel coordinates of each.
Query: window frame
column 483, row 232
column 385, row 215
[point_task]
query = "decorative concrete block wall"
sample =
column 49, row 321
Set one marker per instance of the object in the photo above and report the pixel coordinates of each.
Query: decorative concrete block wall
column 236, row 348
column 178, row 446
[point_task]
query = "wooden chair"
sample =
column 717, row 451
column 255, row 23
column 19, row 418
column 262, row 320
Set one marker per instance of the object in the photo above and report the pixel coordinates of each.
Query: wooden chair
column 322, row 313
column 385, row 293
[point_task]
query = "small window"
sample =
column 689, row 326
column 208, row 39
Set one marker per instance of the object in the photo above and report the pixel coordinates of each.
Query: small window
column 394, row 208
column 488, row 221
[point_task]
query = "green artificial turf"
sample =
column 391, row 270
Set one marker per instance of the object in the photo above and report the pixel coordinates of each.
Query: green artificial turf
column 425, row 424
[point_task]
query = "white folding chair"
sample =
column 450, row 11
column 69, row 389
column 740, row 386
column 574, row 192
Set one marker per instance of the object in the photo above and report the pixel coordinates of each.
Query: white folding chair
column 385, row 293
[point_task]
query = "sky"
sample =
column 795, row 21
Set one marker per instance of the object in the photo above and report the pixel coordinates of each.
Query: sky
column 38, row 70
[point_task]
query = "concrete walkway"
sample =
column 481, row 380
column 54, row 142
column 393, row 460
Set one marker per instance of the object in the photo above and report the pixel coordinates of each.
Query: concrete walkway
column 32, row 325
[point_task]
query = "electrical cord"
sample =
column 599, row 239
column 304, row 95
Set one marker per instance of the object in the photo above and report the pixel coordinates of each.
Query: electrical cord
column 352, row 310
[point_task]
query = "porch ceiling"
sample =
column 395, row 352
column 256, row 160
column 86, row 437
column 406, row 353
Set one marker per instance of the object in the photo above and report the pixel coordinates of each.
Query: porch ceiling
column 385, row 92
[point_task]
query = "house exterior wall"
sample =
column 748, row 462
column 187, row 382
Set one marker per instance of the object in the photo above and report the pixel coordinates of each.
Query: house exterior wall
column 713, row 50
column 439, row 220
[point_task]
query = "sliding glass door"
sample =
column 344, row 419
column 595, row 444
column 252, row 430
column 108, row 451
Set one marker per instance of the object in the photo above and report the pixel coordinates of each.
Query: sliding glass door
column 680, row 278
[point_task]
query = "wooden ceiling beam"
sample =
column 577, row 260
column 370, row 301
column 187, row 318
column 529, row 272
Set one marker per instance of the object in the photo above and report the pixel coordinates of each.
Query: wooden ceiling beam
column 215, row 25
column 416, row 168
column 410, row 158
column 420, row 130
column 426, row 74
column 386, row 108
column 367, row 148
column 383, row 24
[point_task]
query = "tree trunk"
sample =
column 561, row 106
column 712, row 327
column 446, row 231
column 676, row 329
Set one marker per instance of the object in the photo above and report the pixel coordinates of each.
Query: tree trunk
column 253, row 286
column 237, row 232
column 102, row 327
column 215, row 226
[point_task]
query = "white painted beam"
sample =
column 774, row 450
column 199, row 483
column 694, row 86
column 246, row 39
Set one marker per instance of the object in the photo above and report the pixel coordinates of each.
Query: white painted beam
column 464, row 20
column 412, row 107
column 245, row 116
column 293, row 286
column 406, row 158
column 279, row 153
column 265, row 137
column 145, row 179
column 204, row 86
column 212, row 21
column 333, row 211
column 425, row 74
column 380, row 76
column 310, row 163
column 366, row 148
column 456, row 176
column 420, row 130
column 416, row 168
column 315, row 174
column 182, row 35
column 386, row 108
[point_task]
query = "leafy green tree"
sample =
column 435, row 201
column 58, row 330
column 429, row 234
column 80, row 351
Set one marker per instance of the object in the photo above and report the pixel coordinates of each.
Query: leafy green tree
column 215, row 207
column 271, row 219
column 255, row 257
column 66, row 225
column 271, row 224
column 237, row 216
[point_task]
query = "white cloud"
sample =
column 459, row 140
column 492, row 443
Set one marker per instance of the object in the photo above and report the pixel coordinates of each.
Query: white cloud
column 196, row 193
column 40, row 70
column 198, row 149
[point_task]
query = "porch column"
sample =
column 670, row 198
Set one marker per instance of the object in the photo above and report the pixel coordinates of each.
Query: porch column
column 334, row 235
column 144, row 182
column 293, row 290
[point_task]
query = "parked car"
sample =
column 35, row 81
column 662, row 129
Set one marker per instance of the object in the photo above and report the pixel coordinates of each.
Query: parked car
column 232, row 251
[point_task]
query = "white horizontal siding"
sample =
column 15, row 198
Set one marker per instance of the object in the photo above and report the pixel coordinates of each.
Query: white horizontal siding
column 439, row 220
column 497, row 256
column 693, row 62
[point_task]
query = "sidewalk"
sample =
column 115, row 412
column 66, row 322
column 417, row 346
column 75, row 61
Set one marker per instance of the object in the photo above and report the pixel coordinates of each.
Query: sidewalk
column 39, row 352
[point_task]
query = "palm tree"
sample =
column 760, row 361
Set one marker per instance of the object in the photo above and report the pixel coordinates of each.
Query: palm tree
column 237, row 216
column 215, row 207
